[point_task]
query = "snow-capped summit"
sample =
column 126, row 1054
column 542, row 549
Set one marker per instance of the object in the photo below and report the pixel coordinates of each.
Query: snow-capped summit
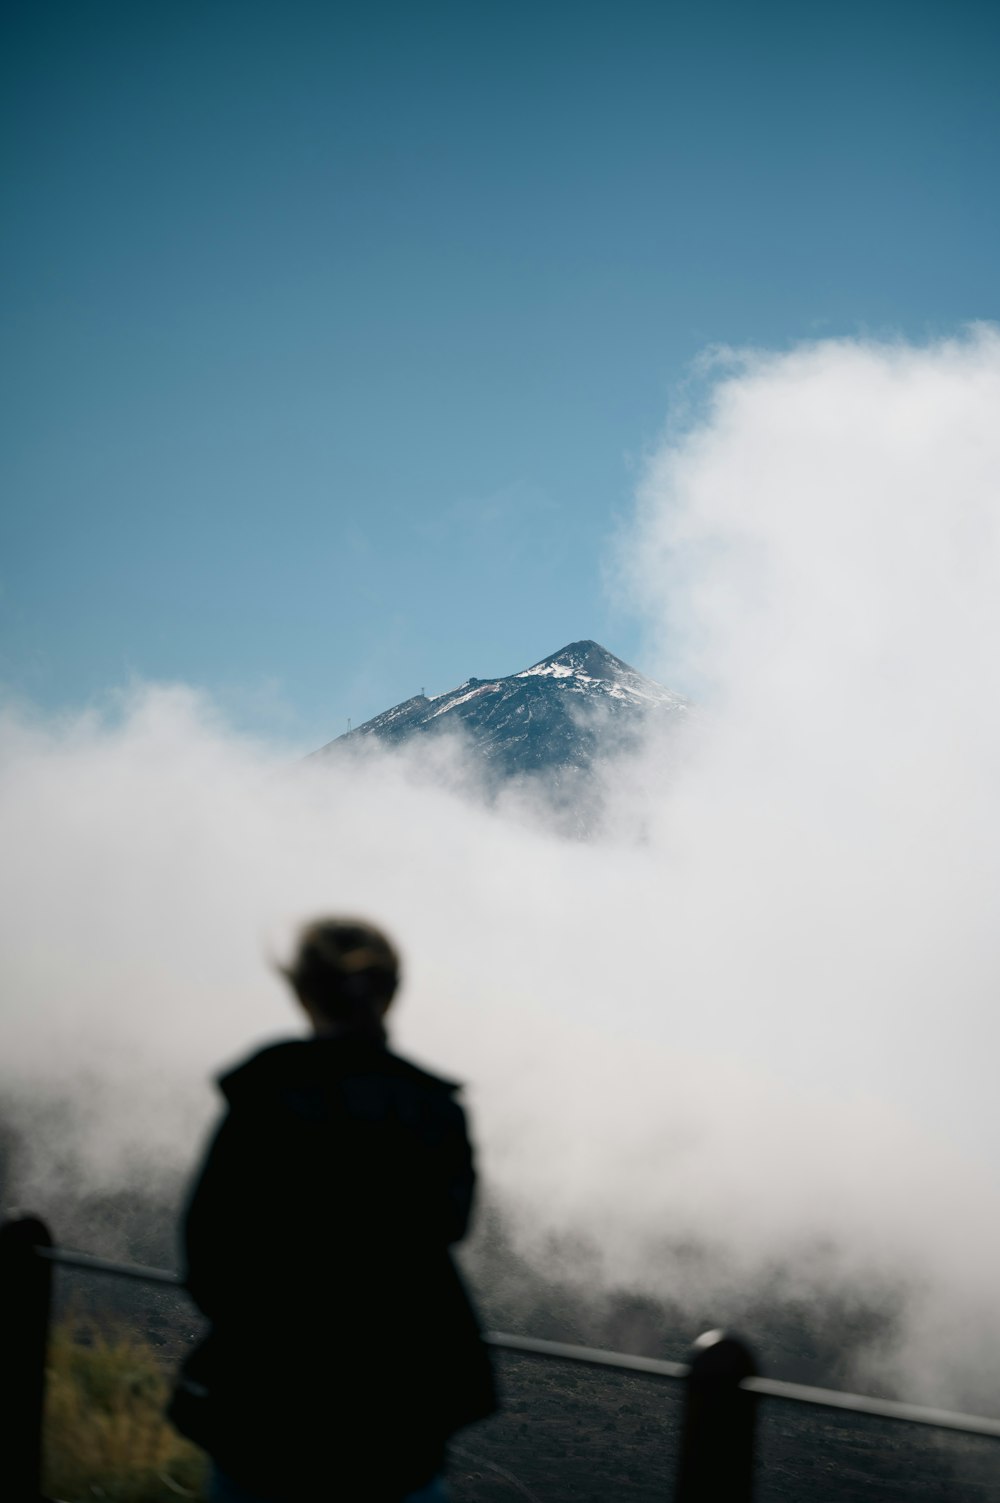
column 589, row 667
column 560, row 714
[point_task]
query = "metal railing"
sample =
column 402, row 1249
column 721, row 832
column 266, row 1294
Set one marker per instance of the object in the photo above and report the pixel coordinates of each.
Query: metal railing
column 721, row 1384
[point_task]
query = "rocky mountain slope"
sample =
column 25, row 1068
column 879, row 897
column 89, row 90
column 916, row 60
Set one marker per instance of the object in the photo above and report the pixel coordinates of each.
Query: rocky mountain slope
column 556, row 717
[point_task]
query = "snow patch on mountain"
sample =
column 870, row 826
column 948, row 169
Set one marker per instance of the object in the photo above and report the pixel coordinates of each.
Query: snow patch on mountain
column 554, row 720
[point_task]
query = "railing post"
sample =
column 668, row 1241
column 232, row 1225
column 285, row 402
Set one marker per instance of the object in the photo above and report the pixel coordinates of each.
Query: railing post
column 25, row 1299
column 717, row 1444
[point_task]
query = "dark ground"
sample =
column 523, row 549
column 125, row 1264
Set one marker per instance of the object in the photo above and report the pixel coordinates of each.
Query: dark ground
column 568, row 1436
column 572, row 1435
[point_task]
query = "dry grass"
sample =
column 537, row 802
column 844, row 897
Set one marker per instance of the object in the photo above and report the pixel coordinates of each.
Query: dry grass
column 106, row 1436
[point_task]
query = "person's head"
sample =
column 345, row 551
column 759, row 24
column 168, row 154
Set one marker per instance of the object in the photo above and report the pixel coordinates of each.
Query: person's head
column 345, row 974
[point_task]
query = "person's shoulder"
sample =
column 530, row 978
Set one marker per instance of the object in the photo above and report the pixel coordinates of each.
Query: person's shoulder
column 321, row 1061
column 267, row 1068
column 407, row 1069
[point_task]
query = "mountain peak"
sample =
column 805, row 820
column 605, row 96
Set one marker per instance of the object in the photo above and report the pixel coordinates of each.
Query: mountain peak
column 556, row 717
column 586, row 657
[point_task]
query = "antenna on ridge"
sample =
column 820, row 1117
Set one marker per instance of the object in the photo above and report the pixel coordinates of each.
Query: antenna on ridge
column 422, row 689
column 348, row 723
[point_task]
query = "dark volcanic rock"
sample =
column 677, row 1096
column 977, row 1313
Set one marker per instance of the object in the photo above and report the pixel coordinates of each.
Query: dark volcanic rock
column 560, row 715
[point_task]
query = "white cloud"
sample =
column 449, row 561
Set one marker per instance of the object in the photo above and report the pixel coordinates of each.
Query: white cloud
column 769, row 1022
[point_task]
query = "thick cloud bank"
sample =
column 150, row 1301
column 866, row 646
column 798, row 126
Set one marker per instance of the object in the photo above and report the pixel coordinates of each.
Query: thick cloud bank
column 825, row 545
column 757, row 1012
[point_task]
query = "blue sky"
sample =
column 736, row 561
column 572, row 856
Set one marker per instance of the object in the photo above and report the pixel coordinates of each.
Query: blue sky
column 335, row 335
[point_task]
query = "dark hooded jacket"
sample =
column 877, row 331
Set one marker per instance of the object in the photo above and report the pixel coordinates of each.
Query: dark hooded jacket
column 342, row 1347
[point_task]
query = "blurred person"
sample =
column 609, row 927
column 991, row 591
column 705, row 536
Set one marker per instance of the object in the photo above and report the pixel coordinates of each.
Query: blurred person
column 343, row 1350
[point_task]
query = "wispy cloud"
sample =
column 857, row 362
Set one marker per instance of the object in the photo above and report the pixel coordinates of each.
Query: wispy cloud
column 768, row 1023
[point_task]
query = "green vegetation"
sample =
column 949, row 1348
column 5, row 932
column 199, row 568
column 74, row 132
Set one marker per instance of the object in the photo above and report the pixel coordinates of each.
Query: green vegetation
column 106, row 1436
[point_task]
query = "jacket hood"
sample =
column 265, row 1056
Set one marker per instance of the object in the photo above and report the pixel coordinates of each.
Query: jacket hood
column 317, row 1062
